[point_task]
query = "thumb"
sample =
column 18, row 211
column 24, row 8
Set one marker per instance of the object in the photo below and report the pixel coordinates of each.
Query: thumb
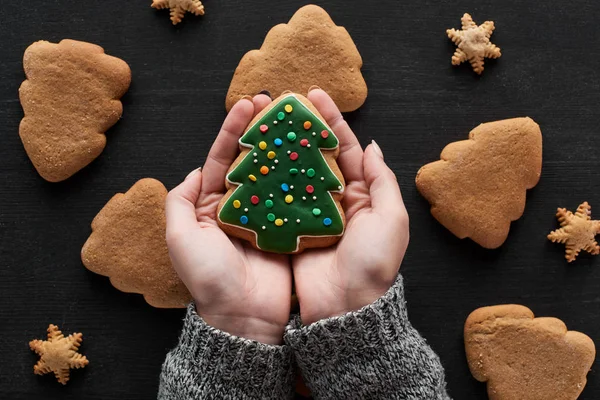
column 180, row 208
column 386, row 199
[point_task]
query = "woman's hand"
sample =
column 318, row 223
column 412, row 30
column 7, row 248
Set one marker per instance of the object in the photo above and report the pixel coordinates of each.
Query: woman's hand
column 237, row 289
column 365, row 262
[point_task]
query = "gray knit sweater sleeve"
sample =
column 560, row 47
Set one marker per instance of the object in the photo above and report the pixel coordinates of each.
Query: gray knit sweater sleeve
column 211, row 364
column 373, row 353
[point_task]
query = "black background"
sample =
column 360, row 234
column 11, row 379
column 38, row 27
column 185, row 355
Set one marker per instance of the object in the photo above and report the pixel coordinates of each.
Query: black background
column 417, row 104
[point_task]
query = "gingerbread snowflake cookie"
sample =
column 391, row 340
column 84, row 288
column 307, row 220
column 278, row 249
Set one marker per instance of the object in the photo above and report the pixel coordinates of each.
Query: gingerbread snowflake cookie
column 473, row 43
column 58, row 354
column 577, row 231
column 179, row 8
column 285, row 188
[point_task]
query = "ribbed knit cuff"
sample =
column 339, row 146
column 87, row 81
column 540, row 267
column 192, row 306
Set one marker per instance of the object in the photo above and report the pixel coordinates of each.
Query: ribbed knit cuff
column 209, row 363
column 373, row 353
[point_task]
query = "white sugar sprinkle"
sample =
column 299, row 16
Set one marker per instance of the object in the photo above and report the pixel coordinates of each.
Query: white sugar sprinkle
column 314, row 197
column 255, row 155
column 308, row 145
column 339, row 188
column 285, row 220
column 290, row 122
column 245, row 210
column 314, row 133
column 273, row 168
column 289, row 151
column 276, row 161
column 291, row 187
column 303, row 170
column 303, row 197
column 271, row 195
column 274, row 122
column 255, row 161
column 322, row 178
column 264, row 227
column 298, row 221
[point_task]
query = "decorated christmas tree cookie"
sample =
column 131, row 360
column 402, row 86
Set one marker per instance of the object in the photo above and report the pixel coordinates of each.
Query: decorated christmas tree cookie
column 284, row 189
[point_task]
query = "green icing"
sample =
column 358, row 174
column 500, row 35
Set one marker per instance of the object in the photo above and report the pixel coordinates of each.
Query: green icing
column 284, row 239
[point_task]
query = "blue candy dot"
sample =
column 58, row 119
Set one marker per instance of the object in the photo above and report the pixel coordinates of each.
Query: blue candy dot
column 244, row 219
column 285, row 187
column 278, row 142
column 327, row 221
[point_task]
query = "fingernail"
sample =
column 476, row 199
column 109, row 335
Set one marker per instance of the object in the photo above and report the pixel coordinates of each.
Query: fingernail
column 246, row 97
column 313, row 87
column 377, row 149
column 265, row 92
column 194, row 172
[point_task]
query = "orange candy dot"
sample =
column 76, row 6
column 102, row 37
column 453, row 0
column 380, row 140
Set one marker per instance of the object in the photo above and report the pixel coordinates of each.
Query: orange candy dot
column 264, row 170
column 307, row 125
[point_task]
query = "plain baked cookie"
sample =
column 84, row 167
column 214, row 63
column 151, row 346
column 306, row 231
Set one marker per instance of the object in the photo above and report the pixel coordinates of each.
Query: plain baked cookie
column 479, row 185
column 70, row 98
column 309, row 50
column 128, row 245
column 285, row 187
column 526, row 358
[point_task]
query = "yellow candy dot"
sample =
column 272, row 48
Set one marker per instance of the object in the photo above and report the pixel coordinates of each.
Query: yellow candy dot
column 262, row 145
column 307, row 125
column 237, row 204
column 252, row 178
column 271, row 155
column 264, row 170
column 289, row 198
column 278, row 222
column 288, row 108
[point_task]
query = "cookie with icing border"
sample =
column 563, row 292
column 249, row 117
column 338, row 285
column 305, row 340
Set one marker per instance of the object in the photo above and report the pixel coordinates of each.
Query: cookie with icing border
column 70, row 99
column 285, row 187
column 128, row 245
column 479, row 185
column 526, row 358
column 309, row 50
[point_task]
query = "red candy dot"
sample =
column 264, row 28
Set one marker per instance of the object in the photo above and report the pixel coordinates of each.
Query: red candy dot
column 310, row 188
column 263, row 128
column 254, row 200
column 294, row 156
column 324, row 134
column 303, row 142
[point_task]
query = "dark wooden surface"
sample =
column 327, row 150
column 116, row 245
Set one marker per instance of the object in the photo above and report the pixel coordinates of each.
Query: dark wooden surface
column 417, row 104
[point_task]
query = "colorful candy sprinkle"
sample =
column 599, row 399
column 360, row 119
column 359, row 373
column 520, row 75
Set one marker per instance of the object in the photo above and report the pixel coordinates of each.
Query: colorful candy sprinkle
column 271, row 217
column 237, row 204
column 316, row 212
column 271, row 155
column 294, row 156
column 278, row 142
column 262, row 145
column 327, row 221
column 310, row 189
column 310, row 173
column 244, row 219
column 254, row 200
column 252, row 178
column 278, row 222
column 264, row 128
column 291, row 136
column 264, row 170
column 303, row 142
column 269, row 203
column 280, row 115
column 294, row 171
column 285, row 187
column 289, row 198
column 324, row 134
column 288, row 108
column 307, row 125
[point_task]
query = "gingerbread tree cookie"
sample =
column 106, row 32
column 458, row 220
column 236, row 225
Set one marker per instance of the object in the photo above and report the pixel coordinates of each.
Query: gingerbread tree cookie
column 473, row 43
column 309, row 50
column 128, row 245
column 526, row 358
column 479, row 185
column 577, row 231
column 58, row 354
column 285, row 187
column 70, row 98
